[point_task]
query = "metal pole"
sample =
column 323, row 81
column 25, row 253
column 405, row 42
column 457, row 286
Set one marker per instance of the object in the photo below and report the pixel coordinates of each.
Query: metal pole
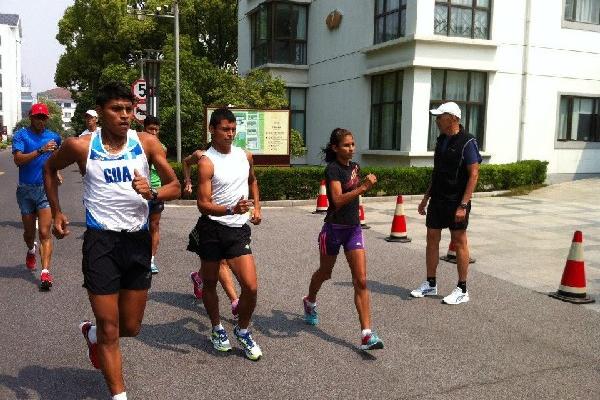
column 177, row 94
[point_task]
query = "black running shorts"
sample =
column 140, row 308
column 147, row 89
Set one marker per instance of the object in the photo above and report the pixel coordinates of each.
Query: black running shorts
column 213, row 241
column 441, row 214
column 116, row 260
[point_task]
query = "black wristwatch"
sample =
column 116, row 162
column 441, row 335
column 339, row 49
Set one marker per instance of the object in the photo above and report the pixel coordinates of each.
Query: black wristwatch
column 229, row 211
column 40, row 150
column 464, row 205
column 154, row 193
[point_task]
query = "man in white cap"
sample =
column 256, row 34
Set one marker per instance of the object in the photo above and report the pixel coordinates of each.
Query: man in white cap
column 454, row 177
column 91, row 122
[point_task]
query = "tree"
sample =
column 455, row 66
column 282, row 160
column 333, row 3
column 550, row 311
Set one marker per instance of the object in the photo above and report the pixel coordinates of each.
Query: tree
column 54, row 121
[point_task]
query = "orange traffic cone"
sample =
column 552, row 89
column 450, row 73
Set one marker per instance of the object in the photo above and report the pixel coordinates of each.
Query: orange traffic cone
column 451, row 255
column 572, row 284
column 398, row 233
column 322, row 202
column 361, row 214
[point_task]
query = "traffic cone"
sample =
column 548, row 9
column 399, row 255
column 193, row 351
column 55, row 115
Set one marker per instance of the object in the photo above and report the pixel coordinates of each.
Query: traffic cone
column 398, row 233
column 322, row 202
column 361, row 214
column 451, row 255
column 572, row 284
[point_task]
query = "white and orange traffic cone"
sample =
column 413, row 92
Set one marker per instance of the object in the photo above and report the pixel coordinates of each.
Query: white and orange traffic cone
column 573, row 283
column 322, row 202
column 361, row 214
column 451, row 255
column 398, row 232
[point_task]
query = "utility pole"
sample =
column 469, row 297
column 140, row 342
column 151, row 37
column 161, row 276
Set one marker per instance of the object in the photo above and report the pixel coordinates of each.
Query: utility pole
column 177, row 92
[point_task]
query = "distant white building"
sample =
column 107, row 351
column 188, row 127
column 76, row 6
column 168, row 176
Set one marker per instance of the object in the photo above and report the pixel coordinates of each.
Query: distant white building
column 526, row 74
column 26, row 98
column 62, row 97
column 10, row 71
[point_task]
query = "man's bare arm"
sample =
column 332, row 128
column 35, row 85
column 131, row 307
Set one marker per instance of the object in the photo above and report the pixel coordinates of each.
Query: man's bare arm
column 171, row 188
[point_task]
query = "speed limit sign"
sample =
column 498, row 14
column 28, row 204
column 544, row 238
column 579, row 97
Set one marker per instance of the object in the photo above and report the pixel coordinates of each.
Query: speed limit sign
column 139, row 89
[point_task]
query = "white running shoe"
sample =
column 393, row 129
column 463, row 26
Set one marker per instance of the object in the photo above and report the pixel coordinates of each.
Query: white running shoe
column 424, row 290
column 456, row 297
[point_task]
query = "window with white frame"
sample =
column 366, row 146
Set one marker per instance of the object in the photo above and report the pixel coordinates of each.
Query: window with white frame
column 463, row 18
column 386, row 111
column 586, row 11
column 579, row 119
column 468, row 90
column 390, row 20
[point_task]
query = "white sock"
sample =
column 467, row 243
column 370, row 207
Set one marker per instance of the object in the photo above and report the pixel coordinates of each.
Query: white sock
column 311, row 304
column 120, row 396
column 218, row 327
column 45, row 271
column 152, row 259
column 32, row 250
column 92, row 335
column 366, row 332
column 242, row 331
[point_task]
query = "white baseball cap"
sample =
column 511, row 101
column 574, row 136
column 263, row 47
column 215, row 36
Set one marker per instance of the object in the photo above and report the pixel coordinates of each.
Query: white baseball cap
column 92, row 113
column 447, row 108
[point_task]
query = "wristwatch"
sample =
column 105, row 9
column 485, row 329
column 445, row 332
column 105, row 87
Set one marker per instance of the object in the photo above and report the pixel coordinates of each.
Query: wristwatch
column 464, row 205
column 154, row 193
column 229, row 211
column 40, row 150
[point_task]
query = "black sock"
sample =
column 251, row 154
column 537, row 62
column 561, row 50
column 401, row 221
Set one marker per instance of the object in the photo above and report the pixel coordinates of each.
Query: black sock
column 431, row 281
column 463, row 286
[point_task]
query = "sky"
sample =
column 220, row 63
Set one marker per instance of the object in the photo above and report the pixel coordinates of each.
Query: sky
column 39, row 50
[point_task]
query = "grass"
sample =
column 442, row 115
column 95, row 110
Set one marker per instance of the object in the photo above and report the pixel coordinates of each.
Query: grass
column 522, row 190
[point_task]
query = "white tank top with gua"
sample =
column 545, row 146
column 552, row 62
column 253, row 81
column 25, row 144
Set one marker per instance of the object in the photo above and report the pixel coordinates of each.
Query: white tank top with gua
column 229, row 182
column 109, row 199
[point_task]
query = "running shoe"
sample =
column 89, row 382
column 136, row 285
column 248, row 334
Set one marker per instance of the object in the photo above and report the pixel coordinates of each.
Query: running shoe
column 310, row 312
column 234, row 308
column 197, row 282
column 220, row 340
column 85, row 327
column 371, row 342
column 424, row 290
column 251, row 349
column 45, row 281
column 153, row 267
column 456, row 297
column 30, row 258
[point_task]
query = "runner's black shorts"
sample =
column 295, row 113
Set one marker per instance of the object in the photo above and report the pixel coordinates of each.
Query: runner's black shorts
column 441, row 214
column 213, row 241
column 116, row 260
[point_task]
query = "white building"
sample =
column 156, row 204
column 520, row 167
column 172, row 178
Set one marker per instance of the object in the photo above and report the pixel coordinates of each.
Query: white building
column 526, row 74
column 10, row 72
column 62, row 97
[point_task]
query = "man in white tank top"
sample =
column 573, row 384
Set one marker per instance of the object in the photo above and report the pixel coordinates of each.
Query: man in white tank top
column 225, row 179
column 117, row 245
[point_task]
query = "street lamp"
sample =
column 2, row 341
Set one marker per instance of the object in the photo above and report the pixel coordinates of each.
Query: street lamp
column 163, row 12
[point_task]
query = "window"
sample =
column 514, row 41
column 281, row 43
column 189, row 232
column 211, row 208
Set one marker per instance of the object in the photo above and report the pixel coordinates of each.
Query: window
column 0, row 101
column 386, row 111
column 67, row 105
column 279, row 34
column 297, row 102
column 579, row 119
column 586, row 11
column 390, row 19
column 0, row 80
column 67, row 115
column 468, row 90
column 463, row 18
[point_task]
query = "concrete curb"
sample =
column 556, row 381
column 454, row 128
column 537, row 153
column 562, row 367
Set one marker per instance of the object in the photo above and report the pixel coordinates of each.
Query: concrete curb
column 308, row 202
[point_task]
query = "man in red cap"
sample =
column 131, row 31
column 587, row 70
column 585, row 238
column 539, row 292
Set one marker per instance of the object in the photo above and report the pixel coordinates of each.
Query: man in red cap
column 31, row 148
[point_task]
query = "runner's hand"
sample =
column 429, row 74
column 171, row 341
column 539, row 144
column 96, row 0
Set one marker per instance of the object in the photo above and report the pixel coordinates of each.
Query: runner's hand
column 187, row 190
column 461, row 215
column 256, row 217
column 243, row 206
column 369, row 181
column 422, row 206
column 140, row 185
column 61, row 226
column 50, row 146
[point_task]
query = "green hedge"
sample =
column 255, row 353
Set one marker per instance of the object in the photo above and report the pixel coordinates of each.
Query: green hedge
column 303, row 182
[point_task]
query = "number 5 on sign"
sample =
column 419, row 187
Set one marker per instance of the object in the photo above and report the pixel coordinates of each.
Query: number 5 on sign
column 139, row 88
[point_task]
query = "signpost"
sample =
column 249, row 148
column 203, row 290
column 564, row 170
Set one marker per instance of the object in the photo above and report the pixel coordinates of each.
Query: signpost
column 139, row 90
column 264, row 133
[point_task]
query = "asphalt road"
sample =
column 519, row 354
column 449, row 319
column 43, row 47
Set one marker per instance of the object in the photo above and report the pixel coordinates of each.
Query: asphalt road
column 509, row 342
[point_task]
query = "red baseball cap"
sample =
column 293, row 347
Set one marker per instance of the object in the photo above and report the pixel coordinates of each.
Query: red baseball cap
column 39, row 108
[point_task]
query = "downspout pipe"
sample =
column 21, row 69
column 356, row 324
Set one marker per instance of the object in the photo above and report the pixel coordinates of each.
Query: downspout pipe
column 524, row 74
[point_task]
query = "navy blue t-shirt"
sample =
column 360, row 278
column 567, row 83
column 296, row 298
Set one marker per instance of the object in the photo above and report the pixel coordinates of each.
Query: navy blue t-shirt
column 470, row 155
column 26, row 141
column 349, row 178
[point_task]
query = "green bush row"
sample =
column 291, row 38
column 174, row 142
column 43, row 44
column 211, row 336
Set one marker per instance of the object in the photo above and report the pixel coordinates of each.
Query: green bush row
column 303, row 182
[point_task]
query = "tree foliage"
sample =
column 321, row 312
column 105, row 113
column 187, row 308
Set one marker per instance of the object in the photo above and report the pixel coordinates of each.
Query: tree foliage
column 54, row 121
column 103, row 42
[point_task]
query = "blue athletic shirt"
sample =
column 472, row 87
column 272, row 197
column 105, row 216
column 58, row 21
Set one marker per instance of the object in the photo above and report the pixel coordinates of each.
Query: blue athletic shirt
column 27, row 141
column 470, row 155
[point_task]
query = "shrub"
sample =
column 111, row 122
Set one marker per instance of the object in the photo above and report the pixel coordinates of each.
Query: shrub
column 303, row 182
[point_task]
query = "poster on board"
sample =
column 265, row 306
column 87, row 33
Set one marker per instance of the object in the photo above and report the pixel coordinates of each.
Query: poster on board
column 264, row 133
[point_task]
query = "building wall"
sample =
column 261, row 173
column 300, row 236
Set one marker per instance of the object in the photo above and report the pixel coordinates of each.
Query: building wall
column 10, row 51
column 528, row 65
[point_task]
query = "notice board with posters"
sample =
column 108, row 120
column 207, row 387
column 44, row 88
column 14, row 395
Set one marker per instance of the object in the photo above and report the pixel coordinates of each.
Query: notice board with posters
column 264, row 133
